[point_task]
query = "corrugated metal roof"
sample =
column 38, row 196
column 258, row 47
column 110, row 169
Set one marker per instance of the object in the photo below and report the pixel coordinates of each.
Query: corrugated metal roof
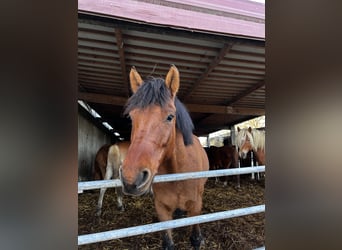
column 230, row 17
column 222, row 77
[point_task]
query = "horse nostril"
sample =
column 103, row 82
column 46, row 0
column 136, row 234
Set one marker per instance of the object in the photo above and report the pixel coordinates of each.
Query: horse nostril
column 143, row 178
column 139, row 184
column 243, row 155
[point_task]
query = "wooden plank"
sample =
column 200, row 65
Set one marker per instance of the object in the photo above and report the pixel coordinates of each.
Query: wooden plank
column 223, row 51
column 246, row 93
column 231, row 23
column 104, row 99
column 120, row 43
column 217, row 109
column 197, row 108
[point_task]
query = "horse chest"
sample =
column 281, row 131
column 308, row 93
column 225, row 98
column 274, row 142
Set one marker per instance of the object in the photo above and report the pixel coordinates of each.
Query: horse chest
column 175, row 192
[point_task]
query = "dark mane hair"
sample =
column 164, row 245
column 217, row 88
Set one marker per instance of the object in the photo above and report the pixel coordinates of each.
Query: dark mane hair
column 154, row 91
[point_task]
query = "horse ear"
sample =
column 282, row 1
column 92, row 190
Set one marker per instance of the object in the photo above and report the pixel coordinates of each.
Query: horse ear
column 238, row 129
column 135, row 79
column 172, row 80
column 250, row 130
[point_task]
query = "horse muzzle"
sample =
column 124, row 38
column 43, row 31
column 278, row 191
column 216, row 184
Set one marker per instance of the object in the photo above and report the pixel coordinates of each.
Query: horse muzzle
column 243, row 154
column 141, row 185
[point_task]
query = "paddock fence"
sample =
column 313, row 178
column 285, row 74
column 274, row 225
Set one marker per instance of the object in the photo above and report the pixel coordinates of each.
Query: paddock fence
column 160, row 226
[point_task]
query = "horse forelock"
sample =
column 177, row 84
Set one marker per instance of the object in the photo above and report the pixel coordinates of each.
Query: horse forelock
column 154, row 91
column 241, row 137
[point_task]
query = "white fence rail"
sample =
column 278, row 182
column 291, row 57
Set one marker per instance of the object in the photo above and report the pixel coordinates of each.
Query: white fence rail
column 87, row 185
column 154, row 227
column 159, row 226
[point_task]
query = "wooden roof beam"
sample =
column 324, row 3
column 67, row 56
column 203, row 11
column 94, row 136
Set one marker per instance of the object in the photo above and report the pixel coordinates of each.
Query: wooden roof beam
column 196, row 108
column 101, row 98
column 237, row 98
column 222, row 109
column 120, row 44
column 245, row 93
column 224, row 50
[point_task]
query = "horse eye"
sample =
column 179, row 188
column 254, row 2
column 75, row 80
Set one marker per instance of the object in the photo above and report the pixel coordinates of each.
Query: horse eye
column 170, row 117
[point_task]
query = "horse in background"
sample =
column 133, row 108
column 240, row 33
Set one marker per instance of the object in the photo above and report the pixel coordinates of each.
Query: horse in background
column 108, row 160
column 162, row 143
column 251, row 139
column 247, row 162
column 224, row 157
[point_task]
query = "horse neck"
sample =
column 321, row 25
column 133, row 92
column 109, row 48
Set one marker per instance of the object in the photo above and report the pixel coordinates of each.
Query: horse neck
column 259, row 147
column 260, row 156
column 169, row 163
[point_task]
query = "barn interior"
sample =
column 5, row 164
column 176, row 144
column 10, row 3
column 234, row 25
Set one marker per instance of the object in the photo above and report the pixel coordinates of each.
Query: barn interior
column 220, row 57
column 221, row 61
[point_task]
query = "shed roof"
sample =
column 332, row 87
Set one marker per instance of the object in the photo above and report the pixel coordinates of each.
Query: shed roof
column 222, row 68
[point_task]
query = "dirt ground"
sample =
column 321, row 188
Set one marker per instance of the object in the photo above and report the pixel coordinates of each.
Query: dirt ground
column 246, row 232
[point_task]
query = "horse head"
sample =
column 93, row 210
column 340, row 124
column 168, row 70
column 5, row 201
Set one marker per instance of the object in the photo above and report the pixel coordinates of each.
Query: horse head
column 244, row 141
column 152, row 111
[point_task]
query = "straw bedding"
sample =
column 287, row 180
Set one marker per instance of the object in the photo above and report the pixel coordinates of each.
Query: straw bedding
column 246, row 232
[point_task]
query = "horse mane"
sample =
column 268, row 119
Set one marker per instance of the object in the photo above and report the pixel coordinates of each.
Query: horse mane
column 154, row 91
column 184, row 122
column 257, row 138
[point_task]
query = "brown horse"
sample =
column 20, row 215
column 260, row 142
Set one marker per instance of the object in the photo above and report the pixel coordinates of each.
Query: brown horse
column 223, row 158
column 162, row 143
column 251, row 139
column 108, row 160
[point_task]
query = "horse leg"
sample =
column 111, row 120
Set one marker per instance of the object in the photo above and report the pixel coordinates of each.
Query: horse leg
column 164, row 213
column 119, row 195
column 236, row 164
column 216, row 178
column 99, row 203
column 196, row 237
column 167, row 241
column 226, row 177
column 118, row 190
column 238, row 181
column 108, row 175
column 257, row 174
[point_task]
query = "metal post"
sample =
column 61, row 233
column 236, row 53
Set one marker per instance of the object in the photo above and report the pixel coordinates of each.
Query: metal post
column 252, row 164
column 257, row 174
column 232, row 135
column 239, row 165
